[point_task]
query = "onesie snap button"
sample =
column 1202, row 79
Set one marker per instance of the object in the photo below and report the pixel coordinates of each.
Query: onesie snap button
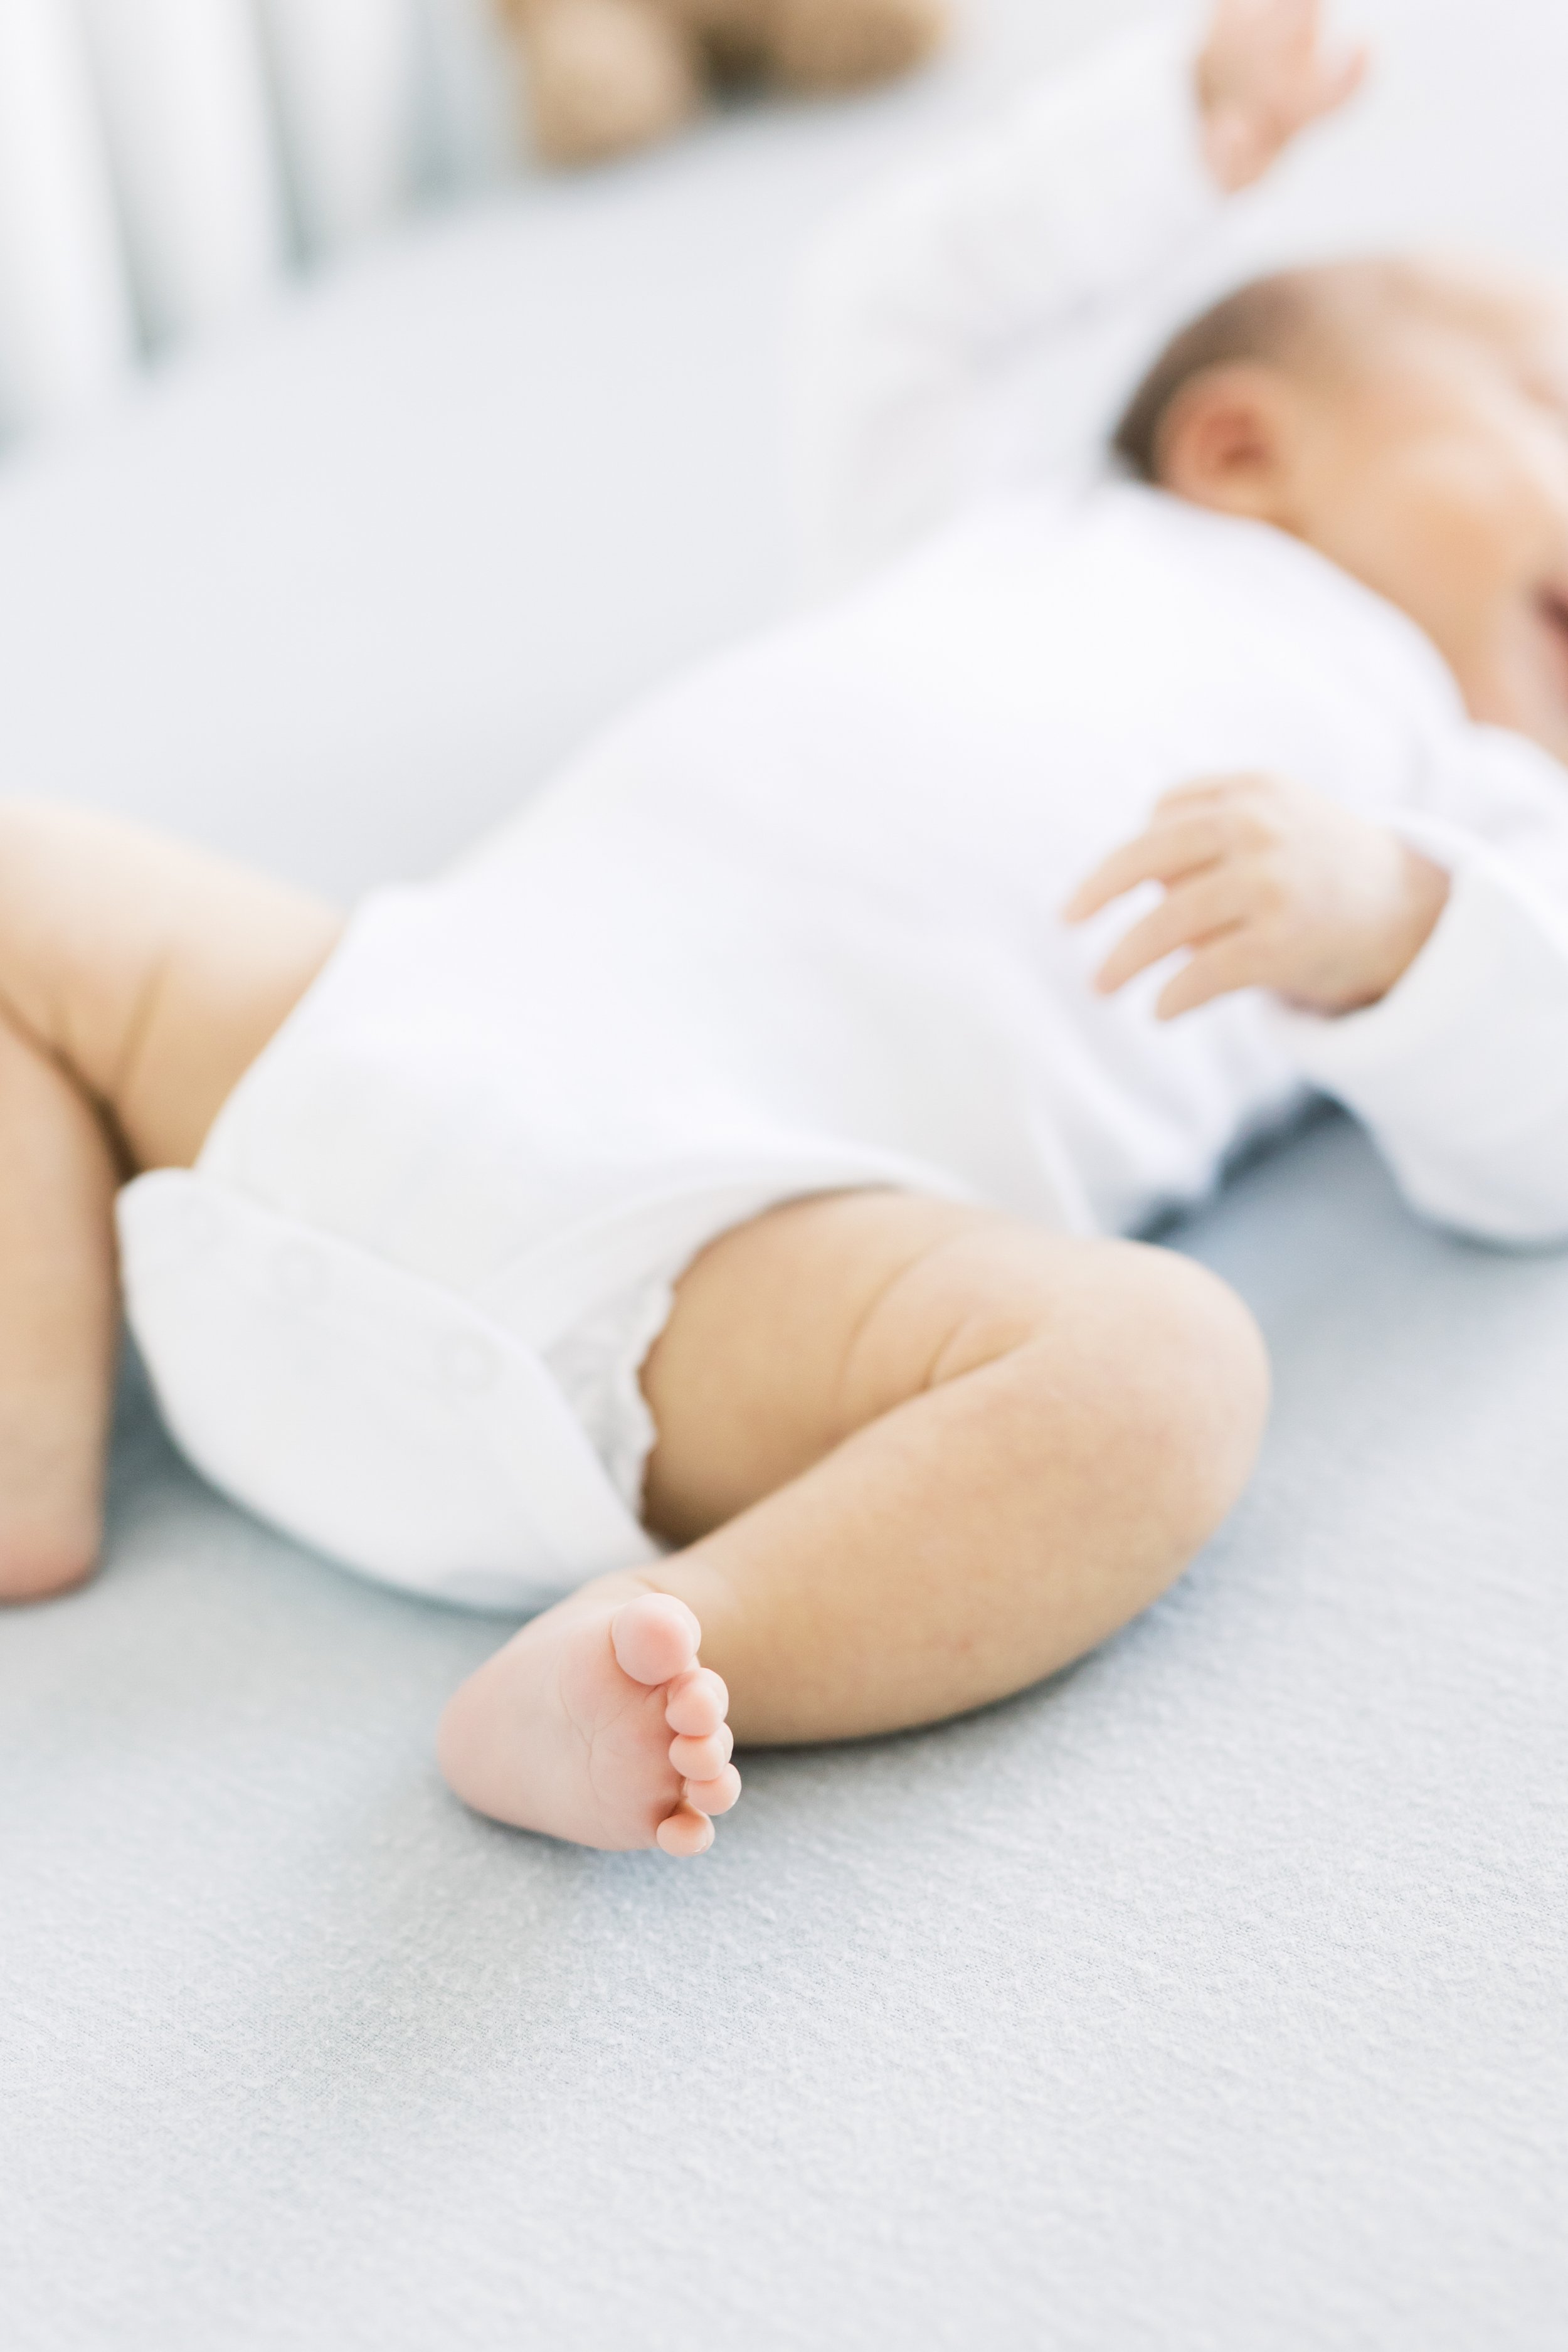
column 299, row 1273
column 468, row 1365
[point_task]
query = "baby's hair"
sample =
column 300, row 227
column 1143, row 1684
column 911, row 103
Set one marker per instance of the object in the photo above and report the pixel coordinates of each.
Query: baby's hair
column 1296, row 317
column 1261, row 321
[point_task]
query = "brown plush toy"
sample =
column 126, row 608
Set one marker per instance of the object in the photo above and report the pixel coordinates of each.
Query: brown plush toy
column 608, row 76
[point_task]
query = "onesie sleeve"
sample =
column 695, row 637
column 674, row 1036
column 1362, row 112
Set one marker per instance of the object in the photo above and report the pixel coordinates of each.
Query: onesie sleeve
column 921, row 313
column 1461, row 1073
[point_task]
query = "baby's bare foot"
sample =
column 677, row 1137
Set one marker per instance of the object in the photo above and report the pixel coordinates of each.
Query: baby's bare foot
column 597, row 1725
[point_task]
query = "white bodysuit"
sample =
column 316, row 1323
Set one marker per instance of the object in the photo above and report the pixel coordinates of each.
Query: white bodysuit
column 795, row 925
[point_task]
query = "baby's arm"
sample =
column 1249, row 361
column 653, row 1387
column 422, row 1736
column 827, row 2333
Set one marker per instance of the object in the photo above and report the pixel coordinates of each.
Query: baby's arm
column 1431, row 999
column 1263, row 77
column 1268, row 886
column 923, row 317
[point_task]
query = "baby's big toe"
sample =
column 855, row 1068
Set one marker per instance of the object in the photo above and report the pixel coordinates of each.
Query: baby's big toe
column 654, row 1638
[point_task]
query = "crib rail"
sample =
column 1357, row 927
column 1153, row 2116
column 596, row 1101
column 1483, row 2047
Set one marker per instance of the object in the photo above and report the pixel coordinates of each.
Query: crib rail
column 164, row 163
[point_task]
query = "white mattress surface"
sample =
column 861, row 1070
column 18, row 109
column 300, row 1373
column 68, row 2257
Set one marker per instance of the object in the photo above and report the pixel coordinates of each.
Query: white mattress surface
column 1210, row 2000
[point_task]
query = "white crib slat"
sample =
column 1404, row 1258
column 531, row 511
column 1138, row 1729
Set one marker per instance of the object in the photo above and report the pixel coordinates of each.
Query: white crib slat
column 347, row 76
column 66, row 333
column 472, row 96
column 184, row 102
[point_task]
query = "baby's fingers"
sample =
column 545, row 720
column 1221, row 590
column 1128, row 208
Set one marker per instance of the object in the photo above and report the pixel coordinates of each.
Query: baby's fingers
column 1170, row 850
column 1218, row 969
column 1189, row 918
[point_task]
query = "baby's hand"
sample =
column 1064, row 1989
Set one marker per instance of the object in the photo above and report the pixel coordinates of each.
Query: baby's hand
column 1266, row 74
column 1269, row 885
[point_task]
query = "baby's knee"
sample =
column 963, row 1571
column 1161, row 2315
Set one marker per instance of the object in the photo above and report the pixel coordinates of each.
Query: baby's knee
column 1185, row 1387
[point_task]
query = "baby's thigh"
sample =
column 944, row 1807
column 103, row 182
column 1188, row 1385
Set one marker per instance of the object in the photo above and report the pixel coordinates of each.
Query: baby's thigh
column 793, row 1332
column 153, row 971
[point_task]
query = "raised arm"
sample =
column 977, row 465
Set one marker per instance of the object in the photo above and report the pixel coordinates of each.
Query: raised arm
column 922, row 316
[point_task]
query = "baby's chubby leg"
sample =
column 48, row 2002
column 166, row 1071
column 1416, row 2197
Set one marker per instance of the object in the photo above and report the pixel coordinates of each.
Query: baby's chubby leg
column 138, row 979
column 58, row 1321
column 919, row 1456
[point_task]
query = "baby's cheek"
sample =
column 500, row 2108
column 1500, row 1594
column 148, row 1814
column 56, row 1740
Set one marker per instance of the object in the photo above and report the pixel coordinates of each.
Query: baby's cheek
column 1460, row 527
column 1508, row 514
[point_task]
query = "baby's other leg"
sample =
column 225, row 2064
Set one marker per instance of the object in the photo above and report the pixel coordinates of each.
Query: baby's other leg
column 138, row 979
column 59, row 1320
column 921, row 1456
column 153, row 971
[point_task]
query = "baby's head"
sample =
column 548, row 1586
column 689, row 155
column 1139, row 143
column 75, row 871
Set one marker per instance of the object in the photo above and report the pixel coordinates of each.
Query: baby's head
column 1410, row 422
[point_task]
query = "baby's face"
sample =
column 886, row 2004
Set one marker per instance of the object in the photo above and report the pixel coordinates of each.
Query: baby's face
column 1434, row 467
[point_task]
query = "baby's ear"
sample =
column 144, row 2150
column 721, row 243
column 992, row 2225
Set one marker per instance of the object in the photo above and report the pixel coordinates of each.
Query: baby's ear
column 1229, row 440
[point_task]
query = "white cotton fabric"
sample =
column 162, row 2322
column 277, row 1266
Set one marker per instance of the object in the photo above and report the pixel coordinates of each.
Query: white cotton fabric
column 377, row 1415
column 796, row 925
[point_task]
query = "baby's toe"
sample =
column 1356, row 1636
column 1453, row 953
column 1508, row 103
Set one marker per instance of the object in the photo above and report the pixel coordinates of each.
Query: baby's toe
column 654, row 1638
column 715, row 1796
column 698, row 1703
column 685, row 1832
column 703, row 1760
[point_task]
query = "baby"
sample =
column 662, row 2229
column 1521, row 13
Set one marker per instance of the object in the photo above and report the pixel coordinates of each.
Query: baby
column 702, row 1211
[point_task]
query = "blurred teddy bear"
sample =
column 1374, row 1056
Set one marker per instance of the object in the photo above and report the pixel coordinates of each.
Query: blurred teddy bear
column 608, row 76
